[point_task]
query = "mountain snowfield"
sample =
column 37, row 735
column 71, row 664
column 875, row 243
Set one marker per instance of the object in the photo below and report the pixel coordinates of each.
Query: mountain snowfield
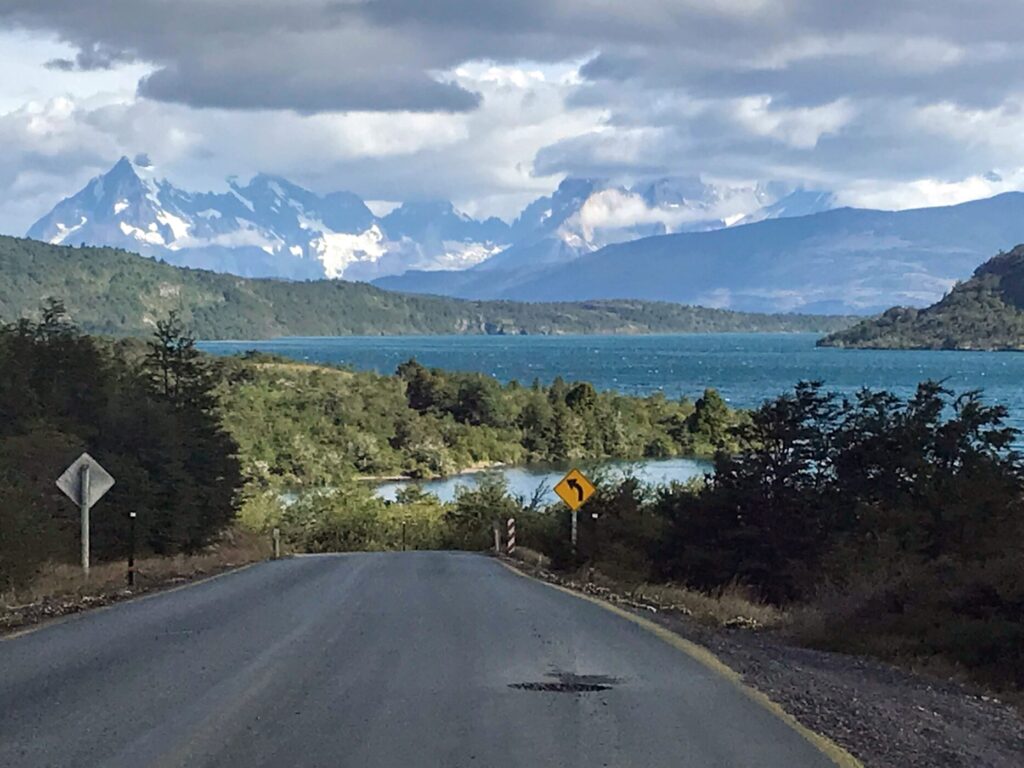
column 274, row 228
column 755, row 247
column 268, row 228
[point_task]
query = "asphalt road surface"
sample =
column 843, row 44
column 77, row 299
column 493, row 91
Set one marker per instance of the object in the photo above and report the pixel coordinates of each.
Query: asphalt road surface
column 402, row 659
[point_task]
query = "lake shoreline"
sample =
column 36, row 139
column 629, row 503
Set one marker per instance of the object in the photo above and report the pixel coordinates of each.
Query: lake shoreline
column 745, row 368
column 472, row 469
column 527, row 479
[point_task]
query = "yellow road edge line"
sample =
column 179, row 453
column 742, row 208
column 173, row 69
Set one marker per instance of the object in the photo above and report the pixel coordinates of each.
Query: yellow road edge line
column 156, row 592
column 707, row 659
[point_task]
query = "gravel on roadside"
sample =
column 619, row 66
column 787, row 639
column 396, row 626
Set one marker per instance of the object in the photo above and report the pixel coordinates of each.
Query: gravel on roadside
column 885, row 716
column 14, row 618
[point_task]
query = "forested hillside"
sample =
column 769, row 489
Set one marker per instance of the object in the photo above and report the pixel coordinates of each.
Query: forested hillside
column 191, row 439
column 305, row 426
column 887, row 526
column 883, row 525
column 111, row 291
column 148, row 417
column 986, row 312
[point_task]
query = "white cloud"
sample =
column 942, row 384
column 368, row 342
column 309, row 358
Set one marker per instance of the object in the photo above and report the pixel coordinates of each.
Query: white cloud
column 800, row 128
column 483, row 160
column 924, row 193
column 491, row 104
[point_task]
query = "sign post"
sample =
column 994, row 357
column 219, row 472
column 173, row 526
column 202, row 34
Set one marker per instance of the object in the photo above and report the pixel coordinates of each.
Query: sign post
column 574, row 489
column 84, row 504
column 85, row 482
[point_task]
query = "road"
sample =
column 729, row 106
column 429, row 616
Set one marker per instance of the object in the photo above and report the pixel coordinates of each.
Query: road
column 400, row 659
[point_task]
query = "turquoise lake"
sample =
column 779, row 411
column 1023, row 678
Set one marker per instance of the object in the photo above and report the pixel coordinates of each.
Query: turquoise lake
column 746, row 368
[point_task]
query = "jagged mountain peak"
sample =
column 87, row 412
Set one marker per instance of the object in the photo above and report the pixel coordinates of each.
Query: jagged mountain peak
column 270, row 226
column 265, row 227
column 672, row 190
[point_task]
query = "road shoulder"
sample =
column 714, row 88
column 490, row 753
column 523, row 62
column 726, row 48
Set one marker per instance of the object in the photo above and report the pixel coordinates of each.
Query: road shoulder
column 19, row 620
column 855, row 709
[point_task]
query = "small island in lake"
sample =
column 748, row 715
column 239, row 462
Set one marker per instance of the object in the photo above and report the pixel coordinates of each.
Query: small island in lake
column 983, row 313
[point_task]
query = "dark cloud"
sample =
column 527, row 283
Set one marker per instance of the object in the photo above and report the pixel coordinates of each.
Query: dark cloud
column 309, row 91
column 92, row 57
column 315, row 55
column 63, row 65
column 306, row 55
column 815, row 91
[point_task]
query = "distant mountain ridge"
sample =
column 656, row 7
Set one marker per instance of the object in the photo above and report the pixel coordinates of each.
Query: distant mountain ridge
column 112, row 291
column 267, row 228
column 584, row 215
column 271, row 227
column 842, row 261
column 983, row 313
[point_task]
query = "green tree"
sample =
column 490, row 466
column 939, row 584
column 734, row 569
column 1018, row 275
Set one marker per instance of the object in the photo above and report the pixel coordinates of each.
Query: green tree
column 477, row 509
column 62, row 393
column 177, row 368
column 710, row 419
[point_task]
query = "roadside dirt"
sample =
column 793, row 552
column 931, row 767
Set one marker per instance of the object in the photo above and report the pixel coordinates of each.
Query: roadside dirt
column 16, row 617
column 885, row 716
column 60, row 590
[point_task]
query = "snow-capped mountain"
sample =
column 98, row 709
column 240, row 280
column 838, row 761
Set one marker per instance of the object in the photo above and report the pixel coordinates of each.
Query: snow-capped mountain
column 268, row 228
column 549, row 230
column 801, row 202
column 845, row 260
column 584, row 215
column 438, row 236
column 273, row 228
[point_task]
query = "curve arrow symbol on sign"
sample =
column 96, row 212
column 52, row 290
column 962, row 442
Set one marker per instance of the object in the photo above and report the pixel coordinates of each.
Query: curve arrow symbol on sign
column 575, row 485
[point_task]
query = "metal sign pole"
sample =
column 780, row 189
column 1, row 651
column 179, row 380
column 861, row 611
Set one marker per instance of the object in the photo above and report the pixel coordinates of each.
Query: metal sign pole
column 84, row 506
column 575, row 526
column 85, row 482
column 131, row 552
column 574, row 489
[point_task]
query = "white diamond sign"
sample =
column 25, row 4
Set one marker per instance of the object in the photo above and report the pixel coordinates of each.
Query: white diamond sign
column 100, row 480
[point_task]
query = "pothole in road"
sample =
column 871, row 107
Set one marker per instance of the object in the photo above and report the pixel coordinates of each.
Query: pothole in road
column 561, row 687
column 567, row 682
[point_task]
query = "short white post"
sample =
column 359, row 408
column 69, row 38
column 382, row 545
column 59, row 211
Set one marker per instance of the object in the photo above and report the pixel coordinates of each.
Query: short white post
column 277, row 543
column 497, row 538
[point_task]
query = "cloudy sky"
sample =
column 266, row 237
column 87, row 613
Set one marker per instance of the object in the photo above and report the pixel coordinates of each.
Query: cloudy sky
column 891, row 103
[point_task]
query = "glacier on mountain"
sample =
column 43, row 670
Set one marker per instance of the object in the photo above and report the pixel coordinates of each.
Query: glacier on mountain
column 271, row 227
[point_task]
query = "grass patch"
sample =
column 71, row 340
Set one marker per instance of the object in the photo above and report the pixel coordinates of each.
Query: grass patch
column 531, row 557
column 732, row 605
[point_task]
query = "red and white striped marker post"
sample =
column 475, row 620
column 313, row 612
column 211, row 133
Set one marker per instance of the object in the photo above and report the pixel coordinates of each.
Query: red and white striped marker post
column 511, row 535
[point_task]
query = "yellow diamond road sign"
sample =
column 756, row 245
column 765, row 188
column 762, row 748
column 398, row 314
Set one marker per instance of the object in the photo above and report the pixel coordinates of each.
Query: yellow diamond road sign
column 574, row 489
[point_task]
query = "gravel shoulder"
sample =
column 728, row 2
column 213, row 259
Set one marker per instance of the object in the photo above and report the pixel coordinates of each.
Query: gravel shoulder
column 887, row 717
column 19, row 615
